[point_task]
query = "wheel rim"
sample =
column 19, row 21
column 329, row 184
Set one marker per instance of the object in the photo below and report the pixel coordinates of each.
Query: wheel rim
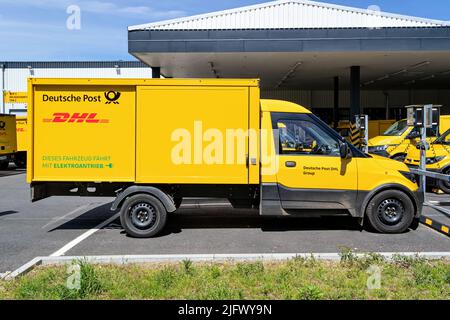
column 143, row 215
column 390, row 211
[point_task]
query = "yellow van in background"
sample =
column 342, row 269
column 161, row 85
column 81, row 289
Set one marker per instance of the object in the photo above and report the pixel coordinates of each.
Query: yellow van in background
column 396, row 141
column 8, row 143
column 22, row 141
column 438, row 160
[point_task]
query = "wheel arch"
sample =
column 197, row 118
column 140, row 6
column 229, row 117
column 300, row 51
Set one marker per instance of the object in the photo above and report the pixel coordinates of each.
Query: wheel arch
column 445, row 168
column 165, row 199
column 417, row 203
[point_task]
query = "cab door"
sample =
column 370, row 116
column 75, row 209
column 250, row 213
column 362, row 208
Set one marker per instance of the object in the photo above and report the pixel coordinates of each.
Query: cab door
column 311, row 173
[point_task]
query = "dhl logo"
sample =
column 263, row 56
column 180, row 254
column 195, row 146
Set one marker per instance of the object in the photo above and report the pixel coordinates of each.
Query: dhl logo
column 63, row 117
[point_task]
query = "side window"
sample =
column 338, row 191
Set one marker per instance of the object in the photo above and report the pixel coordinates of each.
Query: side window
column 304, row 137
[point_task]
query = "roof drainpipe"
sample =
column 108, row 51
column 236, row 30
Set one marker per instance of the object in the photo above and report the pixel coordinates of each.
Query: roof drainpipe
column 386, row 104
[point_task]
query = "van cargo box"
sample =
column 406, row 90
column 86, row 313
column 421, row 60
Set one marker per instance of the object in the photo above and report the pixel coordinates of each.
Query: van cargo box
column 128, row 130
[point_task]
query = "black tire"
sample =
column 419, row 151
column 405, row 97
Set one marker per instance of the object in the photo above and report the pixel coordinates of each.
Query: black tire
column 390, row 211
column 399, row 157
column 4, row 165
column 143, row 216
column 443, row 185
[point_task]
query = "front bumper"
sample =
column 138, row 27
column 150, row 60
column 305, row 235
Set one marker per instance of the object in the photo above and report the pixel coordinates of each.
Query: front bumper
column 419, row 200
column 382, row 153
column 431, row 182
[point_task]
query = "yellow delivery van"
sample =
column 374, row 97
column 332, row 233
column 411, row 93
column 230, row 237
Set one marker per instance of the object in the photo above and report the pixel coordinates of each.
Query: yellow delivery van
column 151, row 143
column 22, row 141
column 8, row 144
column 396, row 141
column 437, row 160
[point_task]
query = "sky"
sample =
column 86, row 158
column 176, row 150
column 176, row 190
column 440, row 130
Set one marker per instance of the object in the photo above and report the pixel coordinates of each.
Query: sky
column 50, row 29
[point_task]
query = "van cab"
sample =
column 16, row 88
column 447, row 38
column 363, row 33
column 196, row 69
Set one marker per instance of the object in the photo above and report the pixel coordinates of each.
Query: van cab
column 319, row 170
column 437, row 160
column 396, row 141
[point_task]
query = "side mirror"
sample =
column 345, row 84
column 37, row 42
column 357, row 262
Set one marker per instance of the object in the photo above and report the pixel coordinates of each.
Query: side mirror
column 413, row 135
column 344, row 151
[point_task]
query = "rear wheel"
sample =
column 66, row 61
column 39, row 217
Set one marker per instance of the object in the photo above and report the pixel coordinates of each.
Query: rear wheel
column 143, row 216
column 390, row 211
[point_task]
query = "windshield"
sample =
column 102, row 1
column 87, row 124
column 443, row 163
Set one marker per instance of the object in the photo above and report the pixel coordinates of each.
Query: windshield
column 397, row 129
column 444, row 139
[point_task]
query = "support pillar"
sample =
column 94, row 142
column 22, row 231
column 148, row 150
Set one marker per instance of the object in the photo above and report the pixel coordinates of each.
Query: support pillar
column 156, row 72
column 336, row 102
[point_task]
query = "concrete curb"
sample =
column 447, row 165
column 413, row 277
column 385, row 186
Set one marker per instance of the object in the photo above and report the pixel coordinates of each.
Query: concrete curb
column 429, row 222
column 132, row 259
column 27, row 267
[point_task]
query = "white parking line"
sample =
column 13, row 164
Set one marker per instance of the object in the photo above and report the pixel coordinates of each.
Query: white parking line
column 90, row 232
column 84, row 236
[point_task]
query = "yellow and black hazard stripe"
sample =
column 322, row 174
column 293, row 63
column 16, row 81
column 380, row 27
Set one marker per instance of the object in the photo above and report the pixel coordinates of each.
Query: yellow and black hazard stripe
column 355, row 135
column 435, row 225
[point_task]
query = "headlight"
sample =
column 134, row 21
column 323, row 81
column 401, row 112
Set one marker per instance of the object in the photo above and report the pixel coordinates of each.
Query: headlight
column 409, row 175
column 378, row 148
column 434, row 159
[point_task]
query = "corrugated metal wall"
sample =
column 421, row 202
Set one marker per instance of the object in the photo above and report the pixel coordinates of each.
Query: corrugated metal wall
column 16, row 75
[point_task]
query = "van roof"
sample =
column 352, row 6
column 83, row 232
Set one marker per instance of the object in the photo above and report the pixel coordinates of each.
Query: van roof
column 282, row 106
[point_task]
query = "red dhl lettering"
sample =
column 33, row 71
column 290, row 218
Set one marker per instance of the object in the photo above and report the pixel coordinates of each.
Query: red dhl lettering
column 63, row 117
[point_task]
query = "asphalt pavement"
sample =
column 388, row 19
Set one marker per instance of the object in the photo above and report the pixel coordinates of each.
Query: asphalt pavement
column 28, row 230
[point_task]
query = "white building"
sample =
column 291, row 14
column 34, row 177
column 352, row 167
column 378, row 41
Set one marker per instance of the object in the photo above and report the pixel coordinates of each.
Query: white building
column 15, row 74
column 334, row 59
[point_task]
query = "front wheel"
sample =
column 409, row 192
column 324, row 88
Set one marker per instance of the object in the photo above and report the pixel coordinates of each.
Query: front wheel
column 390, row 211
column 143, row 216
column 445, row 185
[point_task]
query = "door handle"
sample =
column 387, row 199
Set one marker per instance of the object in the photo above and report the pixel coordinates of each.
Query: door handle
column 291, row 164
